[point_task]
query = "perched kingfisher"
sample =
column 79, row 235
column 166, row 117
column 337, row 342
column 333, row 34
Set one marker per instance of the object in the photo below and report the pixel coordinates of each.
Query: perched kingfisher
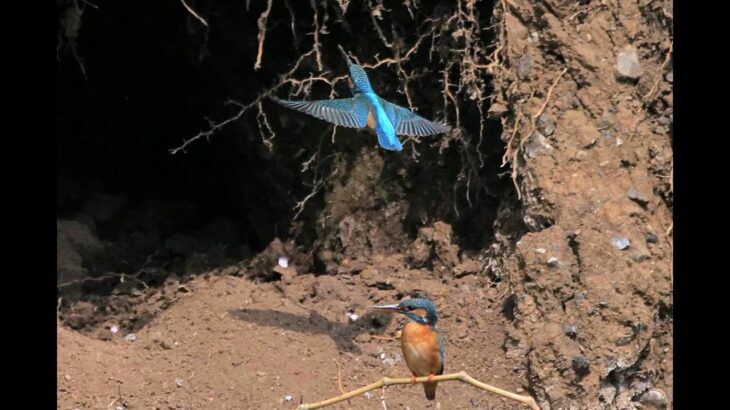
column 367, row 109
column 422, row 344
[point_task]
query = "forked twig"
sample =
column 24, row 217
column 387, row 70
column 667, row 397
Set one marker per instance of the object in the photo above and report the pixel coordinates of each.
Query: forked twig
column 387, row 381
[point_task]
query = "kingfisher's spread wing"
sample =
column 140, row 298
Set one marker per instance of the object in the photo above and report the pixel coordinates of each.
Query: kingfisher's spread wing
column 345, row 112
column 406, row 122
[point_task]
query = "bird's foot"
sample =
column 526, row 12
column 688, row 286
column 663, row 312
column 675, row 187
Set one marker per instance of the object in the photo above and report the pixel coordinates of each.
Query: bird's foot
column 430, row 377
column 413, row 379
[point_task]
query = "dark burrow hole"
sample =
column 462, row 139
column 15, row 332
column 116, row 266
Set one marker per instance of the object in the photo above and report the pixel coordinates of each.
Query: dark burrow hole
column 145, row 82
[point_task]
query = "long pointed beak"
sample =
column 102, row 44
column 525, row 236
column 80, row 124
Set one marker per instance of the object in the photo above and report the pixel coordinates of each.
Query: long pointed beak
column 387, row 308
column 344, row 54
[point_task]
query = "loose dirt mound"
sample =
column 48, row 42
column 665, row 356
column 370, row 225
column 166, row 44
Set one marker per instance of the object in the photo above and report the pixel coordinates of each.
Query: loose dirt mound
column 230, row 343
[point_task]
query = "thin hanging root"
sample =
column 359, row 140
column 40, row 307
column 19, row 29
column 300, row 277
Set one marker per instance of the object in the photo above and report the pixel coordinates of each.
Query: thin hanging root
column 262, row 34
column 196, row 15
column 527, row 135
column 658, row 78
column 386, row 381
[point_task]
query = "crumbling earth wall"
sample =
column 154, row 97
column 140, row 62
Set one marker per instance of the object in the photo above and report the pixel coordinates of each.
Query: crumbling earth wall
column 587, row 92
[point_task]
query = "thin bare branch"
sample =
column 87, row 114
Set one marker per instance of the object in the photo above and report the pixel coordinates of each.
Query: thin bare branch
column 386, row 381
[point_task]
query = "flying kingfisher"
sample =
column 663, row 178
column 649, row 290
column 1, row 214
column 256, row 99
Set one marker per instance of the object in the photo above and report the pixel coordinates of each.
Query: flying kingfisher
column 422, row 344
column 367, row 109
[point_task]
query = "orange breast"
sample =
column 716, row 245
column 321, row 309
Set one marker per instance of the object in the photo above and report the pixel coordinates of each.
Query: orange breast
column 371, row 120
column 420, row 349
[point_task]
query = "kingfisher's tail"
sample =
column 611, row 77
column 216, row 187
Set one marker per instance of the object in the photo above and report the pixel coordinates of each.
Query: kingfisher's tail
column 430, row 389
column 389, row 142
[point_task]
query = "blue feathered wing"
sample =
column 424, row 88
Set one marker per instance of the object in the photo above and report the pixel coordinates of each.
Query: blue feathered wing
column 406, row 122
column 345, row 112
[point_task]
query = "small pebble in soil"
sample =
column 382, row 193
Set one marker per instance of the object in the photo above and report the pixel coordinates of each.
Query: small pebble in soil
column 654, row 397
column 620, row 242
column 637, row 197
column 627, row 64
column 580, row 365
column 570, row 330
column 283, row 262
